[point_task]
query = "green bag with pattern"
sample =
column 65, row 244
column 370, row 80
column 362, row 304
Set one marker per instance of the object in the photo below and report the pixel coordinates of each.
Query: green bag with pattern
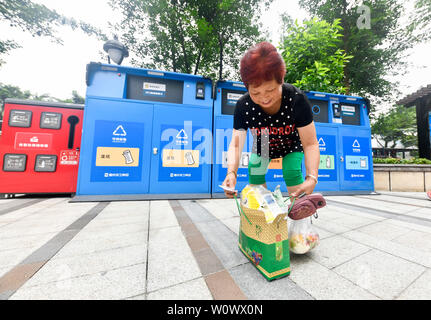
column 266, row 245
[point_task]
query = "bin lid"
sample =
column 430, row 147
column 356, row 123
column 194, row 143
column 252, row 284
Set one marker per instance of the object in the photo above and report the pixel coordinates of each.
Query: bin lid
column 44, row 103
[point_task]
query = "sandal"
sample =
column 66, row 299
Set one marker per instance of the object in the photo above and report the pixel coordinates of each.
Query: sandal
column 305, row 206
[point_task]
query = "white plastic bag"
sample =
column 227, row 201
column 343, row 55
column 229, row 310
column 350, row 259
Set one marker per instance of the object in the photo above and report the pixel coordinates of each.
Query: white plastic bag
column 302, row 236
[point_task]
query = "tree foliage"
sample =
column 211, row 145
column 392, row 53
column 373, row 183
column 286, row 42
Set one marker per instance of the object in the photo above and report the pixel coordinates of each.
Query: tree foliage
column 37, row 20
column 206, row 37
column 378, row 51
column 397, row 125
column 313, row 58
column 421, row 20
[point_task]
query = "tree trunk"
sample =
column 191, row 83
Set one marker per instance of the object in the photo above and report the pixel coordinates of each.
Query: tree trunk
column 221, row 57
column 345, row 45
column 198, row 61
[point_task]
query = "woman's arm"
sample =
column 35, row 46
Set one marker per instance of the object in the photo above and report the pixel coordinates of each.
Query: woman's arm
column 233, row 157
column 310, row 145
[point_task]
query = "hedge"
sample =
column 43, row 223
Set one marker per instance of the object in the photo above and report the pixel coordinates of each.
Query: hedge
column 401, row 161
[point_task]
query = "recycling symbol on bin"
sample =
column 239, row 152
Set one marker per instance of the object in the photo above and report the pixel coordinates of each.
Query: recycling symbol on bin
column 120, row 131
column 182, row 135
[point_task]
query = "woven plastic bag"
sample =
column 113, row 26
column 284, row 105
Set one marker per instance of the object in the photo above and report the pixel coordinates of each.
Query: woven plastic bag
column 302, row 236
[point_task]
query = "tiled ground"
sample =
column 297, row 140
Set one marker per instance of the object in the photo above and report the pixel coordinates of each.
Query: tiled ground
column 372, row 247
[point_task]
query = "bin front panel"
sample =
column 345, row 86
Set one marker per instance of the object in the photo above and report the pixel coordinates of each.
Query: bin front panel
column 357, row 168
column 181, row 150
column 329, row 176
column 116, row 147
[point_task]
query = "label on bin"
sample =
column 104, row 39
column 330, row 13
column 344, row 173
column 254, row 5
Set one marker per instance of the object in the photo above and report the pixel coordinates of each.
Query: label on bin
column 154, row 89
column 20, row 118
column 69, row 157
column 327, row 165
column 45, row 163
column 117, row 157
column 232, row 98
column 180, row 158
column 24, row 140
column 50, row 120
column 14, row 162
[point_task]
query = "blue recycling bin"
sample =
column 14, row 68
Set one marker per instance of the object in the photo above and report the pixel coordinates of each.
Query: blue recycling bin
column 146, row 135
column 344, row 136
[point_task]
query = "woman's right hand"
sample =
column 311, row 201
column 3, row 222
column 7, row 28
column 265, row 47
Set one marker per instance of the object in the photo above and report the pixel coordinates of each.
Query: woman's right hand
column 230, row 181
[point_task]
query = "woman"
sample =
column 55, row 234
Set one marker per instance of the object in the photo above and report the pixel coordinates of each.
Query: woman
column 281, row 121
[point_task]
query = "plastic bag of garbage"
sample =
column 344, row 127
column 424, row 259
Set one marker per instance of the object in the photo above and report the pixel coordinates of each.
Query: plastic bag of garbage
column 302, row 236
column 260, row 198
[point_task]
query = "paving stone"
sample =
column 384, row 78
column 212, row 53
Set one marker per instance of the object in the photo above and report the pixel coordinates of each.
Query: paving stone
column 232, row 224
column 380, row 273
column 323, row 234
column 384, row 230
column 93, row 263
column 84, row 246
column 162, row 215
column 418, row 290
column 219, row 211
column 170, row 260
column 336, row 250
column 190, row 290
column 393, row 207
column 393, row 248
column 10, row 258
column 322, row 283
column 256, row 287
column 409, row 225
column 223, row 287
column 330, row 226
column 221, row 239
column 23, row 241
column 416, row 240
column 114, row 284
column 353, row 222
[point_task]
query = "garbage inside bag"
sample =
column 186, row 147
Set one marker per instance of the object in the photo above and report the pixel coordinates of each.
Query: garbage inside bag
column 302, row 236
column 260, row 198
column 282, row 202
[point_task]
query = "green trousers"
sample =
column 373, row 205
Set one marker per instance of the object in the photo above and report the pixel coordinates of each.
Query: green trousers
column 292, row 173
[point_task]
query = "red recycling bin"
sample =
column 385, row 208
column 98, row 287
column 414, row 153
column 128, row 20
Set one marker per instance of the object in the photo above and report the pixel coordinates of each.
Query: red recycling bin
column 39, row 147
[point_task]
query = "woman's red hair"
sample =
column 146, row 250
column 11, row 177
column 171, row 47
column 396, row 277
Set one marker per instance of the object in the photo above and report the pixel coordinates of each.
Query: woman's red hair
column 262, row 63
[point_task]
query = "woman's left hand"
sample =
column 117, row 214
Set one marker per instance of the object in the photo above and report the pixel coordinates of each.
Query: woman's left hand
column 307, row 186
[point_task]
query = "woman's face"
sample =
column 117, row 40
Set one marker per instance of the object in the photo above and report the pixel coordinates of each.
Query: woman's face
column 267, row 94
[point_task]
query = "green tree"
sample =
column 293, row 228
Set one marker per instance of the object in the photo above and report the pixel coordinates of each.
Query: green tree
column 421, row 20
column 312, row 56
column 205, row 37
column 378, row 51
column 397, row 125
column 38, row 20
column 76, row 98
